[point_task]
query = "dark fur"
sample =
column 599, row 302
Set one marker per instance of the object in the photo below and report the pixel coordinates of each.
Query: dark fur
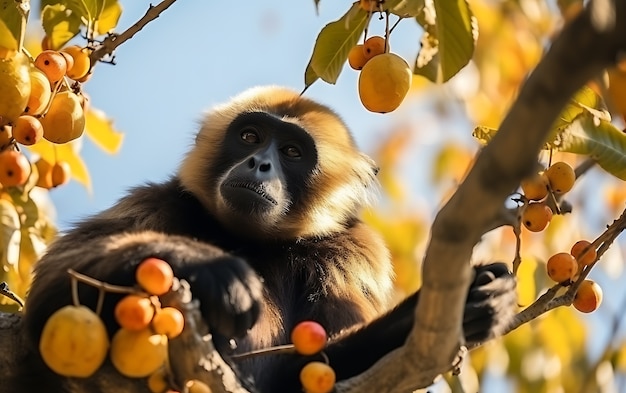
column 316, row 259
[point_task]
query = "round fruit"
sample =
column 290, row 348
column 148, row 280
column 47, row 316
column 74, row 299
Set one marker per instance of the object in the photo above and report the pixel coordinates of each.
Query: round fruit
column 40, row 93
column 15, row 87
column 53, row 64
column 374, row 46
column 356, row 57
column 536, row 216
column 155, row 276
column 60, row 173
column 65, row 120
column 308, row 337
column 535, row 187
column 27, row 130
column 384, row 82
column 44, row 169
column 580, row 247
column 138, row 353
column 6, row 135
column 69, row 61
column 369, row 5
column 134, row 312
column 317, row 377
column 82, row 63
column 561, row 177
column 14, row 168
column 562, row 267
column 588, row 297
column 195, row 386
column 157, row 381
column 169, row 321
column 74, row 342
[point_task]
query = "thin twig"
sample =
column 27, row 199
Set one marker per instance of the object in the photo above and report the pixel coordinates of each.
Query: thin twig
column 109, row 44
column 101, row 285
column 4, row 290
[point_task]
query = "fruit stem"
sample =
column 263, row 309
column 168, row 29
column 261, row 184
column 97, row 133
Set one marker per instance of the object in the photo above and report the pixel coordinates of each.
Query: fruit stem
column 279, row 349
column 387, row 31
column 102, row 285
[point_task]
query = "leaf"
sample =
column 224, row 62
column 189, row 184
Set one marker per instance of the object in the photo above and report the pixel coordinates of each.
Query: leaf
column 598, row 139
column 309, row 76
column 65, row 152
column 101, row 131
column 107, row 21
column 406, row 8
column 334, row 43
column 584, row 99
column 60, row 24
column 484, row 134
column 13, row 16
column 9, row 235
column 448, row 42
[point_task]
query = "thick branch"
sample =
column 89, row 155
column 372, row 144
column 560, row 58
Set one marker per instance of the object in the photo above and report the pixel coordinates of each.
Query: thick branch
column 577, row 55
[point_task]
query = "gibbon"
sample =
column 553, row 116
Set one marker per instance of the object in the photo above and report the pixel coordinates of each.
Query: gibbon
column 262, row 219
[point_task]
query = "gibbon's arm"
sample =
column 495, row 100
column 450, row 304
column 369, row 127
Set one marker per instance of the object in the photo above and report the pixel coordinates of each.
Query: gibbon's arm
column 108, row 247
column 490, row 304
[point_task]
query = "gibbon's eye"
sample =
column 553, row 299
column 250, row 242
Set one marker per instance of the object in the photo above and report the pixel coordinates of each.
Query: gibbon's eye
column 291, row 151
column 250, row 135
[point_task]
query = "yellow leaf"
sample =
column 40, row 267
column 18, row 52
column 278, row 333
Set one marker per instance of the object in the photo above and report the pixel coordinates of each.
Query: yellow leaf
column 100, row 130
column 7, row 40
column 66, row 152
column 526, row 289
column 110, row 16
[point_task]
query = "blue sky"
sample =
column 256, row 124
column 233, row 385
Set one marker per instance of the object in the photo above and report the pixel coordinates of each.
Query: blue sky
column 197, row 54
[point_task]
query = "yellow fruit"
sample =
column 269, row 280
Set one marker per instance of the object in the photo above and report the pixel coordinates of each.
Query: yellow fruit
column 588, row 297
column 562, row 267
column 617, row 89
column 14, row 87
column 27, row 130
column 44, row 169
column 369, row 5
column 169, row 321
column 53, row 64
column 74, row 342
column 137, row 354
column 60, row 173
column 373, row 46
column 134, row 312
column 356, row 57
column 154, row 275
column 6, row 135
column 157, row 381
column 81, row 63
column 65, row 120
column 561, row 177
column 308, row 337
column 317, row 377
column 40, row 93
column 14, row 168
column 536, row 217
column 384, row 82
column 535, row 187
column 195, row 386
column 589, row 255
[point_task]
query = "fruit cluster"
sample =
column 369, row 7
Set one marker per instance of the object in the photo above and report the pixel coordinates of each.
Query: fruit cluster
column 74, row 341
column 38, row 103
column 309, row 338
column 385, row 78
column 558, row 179
column 565, row 267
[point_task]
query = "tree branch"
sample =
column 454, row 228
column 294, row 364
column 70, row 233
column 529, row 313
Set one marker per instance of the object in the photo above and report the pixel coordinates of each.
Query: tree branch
column 109, row 44
column 580, row 52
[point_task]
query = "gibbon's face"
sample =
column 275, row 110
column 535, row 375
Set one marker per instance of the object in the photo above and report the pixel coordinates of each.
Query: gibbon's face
column 271, row 164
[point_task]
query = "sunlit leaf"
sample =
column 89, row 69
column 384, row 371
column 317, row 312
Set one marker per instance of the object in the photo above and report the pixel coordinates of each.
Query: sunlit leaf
column 101, row 131
column 13, row 16
column 65, row 152
column 406, row 8
column 451, row 162
column 9, row 235
column 309, row 76
column 598, row 139
column 107, row 21
column 60, row 24
column 484, row 134
column 448, row 42
column 334, row 43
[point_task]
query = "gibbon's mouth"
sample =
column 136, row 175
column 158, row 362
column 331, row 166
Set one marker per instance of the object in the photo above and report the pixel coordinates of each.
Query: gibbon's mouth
column 257, row 188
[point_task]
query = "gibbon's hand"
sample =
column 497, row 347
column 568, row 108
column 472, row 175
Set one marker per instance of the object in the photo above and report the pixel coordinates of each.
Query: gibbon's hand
column 491, row 302
column 229, row 291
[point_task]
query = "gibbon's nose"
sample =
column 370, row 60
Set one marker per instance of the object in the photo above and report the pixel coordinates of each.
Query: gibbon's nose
column 265, row 166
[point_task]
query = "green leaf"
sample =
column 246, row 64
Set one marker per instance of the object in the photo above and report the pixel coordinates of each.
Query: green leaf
column 13, row 16
column 598, row 139
column 60, row 24
column 309, row 77
column 107, row 21
column 406, row 8
column 334, row 43
column 448, row 41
